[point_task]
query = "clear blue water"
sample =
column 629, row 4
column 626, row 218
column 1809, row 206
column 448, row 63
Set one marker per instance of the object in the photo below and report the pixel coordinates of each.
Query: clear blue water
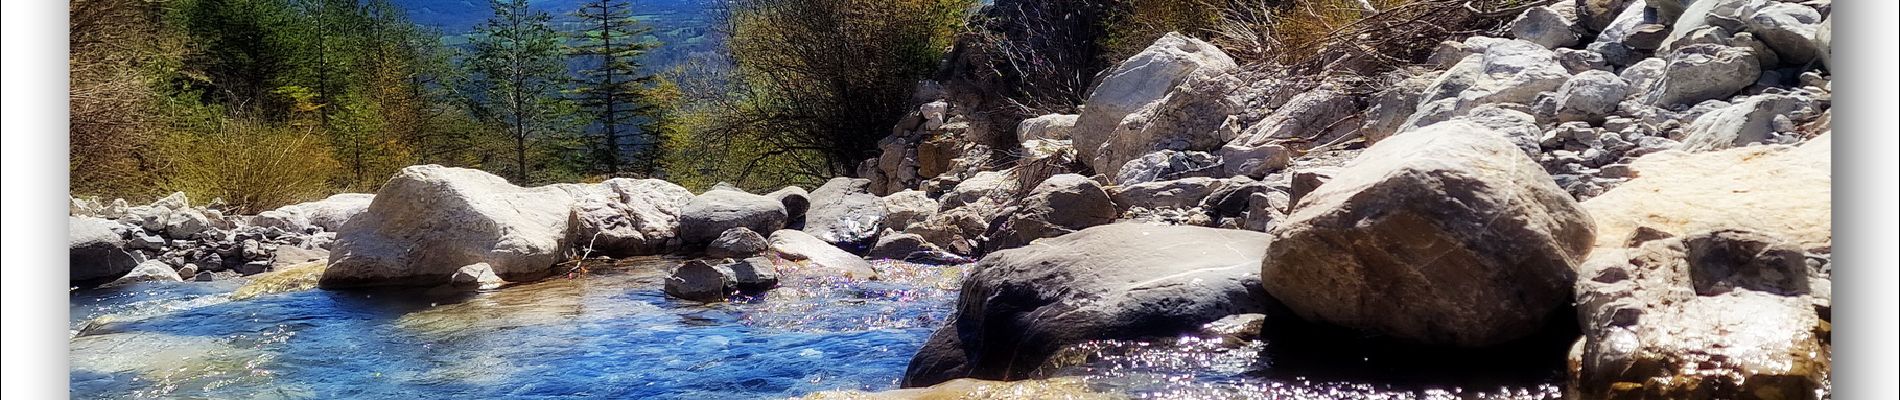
column 610, row 333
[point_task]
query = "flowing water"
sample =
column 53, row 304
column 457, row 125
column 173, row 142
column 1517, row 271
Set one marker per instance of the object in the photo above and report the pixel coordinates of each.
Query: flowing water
column 611, row 333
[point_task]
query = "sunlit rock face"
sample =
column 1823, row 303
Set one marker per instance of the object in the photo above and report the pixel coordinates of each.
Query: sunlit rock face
column 1448, row 235
column 429, row 221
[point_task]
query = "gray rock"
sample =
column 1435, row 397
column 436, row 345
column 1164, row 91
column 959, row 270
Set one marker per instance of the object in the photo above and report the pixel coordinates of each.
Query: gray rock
column 1512, row 71
column 1060, row 205
column 845, row 213
column 429, row 221
column 739, row 242
column 796, row 202
column 1656, row 315
column 1790, row 29
column 1120, row 281
column 1143, row 83
column 1824, row 40
column 713, row 212
column 97, row 255
column 1702, row 72
column 907, row 207
column 1590, row 96
column 1545, row 26
column 1449, row 235
column 1169, row 165
column 1750, row 121
column 626, row 217
column 1047, row 127
column 700, row 281
column 1577, row 61
column 1179, row 193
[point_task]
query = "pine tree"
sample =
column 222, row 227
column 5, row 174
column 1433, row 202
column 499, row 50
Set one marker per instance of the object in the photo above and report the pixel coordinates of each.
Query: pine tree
column 611, row 87
column 518, row 66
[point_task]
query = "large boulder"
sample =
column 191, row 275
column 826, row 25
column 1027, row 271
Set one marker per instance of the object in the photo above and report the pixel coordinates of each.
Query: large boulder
column 97, row 252
column 1704, row 71
column 1119, row 281
column 1141, row 83
column 713, row 212
column 626, row 217
column 845, row 213
column 1447, row 235
column 1060, row 205
column 815, row 257
column 429, row 221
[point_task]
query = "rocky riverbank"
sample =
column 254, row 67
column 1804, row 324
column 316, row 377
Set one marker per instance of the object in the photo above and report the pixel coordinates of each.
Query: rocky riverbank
column 1654, row 192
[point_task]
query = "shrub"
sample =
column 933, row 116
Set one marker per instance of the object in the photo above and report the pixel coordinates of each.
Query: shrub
column 251, row 165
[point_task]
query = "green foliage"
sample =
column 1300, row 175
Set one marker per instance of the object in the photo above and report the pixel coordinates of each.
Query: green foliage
column 612, row 87
column 811, row 87
column 518, row 64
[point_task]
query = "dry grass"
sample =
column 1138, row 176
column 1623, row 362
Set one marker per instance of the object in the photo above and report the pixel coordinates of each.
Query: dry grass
column 252, row 166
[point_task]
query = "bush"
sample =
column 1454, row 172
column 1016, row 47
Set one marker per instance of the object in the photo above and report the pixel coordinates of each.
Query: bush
column 251, row 165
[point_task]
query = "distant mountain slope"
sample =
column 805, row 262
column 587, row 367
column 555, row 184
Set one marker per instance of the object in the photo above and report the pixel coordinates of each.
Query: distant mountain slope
column 681, row 26
column 458, row 16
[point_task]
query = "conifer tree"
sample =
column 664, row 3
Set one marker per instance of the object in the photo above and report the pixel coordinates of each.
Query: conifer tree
column 518, row 66
column 611, row 83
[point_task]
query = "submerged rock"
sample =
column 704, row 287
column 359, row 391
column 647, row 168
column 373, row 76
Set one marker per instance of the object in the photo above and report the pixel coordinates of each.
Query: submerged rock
column 816, row 256
column 430, row 221
column 149, row 271
column 1119, row 281
column 1446, row 235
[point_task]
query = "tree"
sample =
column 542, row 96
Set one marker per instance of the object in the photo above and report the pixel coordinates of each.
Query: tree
column 829, row 77
column 612, row 84
column 518, row 68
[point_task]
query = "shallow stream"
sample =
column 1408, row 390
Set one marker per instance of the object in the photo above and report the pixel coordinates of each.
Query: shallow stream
column 610, row 332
